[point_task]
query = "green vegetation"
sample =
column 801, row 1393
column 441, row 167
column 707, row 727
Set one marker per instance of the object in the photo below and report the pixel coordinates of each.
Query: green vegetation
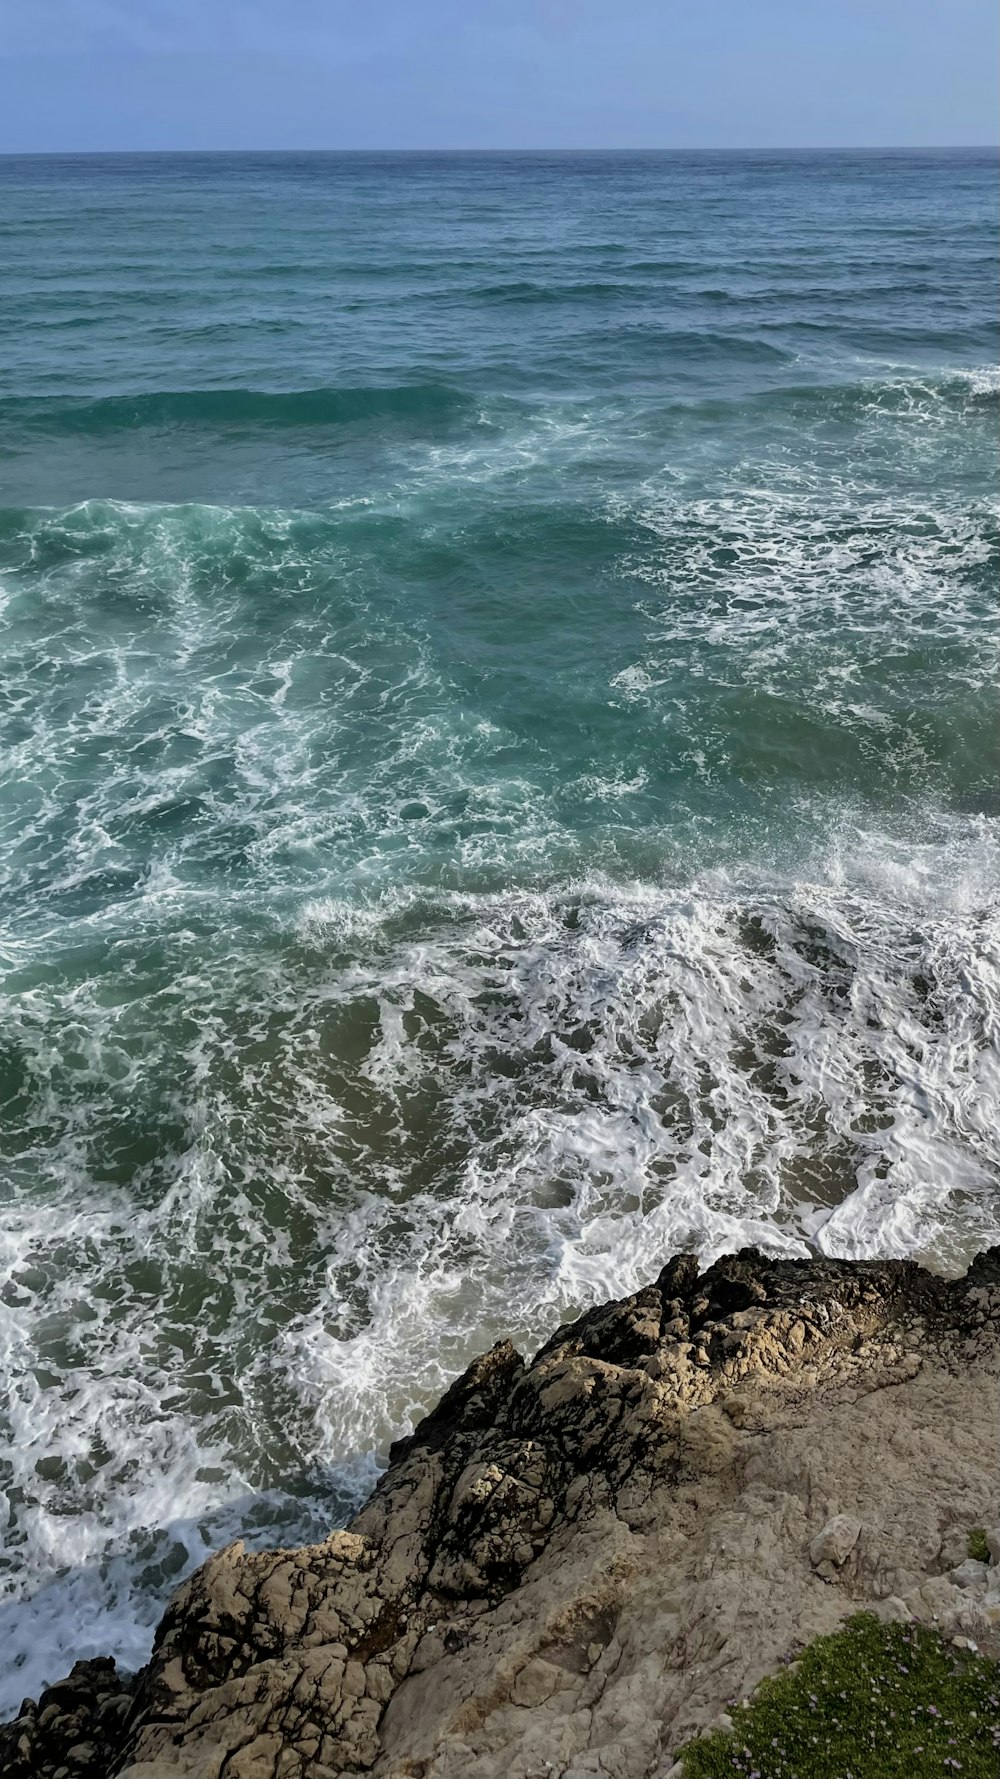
column 978, row 1546
column 872, row 1701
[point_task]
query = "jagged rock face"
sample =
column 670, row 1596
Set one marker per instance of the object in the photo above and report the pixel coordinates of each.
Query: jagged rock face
column 567, row 1561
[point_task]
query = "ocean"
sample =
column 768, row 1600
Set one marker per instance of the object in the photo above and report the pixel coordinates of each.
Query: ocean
column 499, row 783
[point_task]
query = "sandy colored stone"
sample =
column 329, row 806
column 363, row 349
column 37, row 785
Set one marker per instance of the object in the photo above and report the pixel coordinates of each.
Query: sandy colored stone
column 835, row 1542
column 971, row 1574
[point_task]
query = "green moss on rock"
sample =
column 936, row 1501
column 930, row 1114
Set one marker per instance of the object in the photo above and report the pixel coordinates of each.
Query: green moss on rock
column 871, row 1701
column 977, row 1545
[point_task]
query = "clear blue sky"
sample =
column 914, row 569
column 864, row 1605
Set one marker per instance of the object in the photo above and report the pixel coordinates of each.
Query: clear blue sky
column 134, row 74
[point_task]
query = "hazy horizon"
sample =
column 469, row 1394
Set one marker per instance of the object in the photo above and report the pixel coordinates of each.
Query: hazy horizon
column 206, row 76
column 596, row 149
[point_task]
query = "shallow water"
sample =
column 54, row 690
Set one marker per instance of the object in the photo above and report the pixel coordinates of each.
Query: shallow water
column 499, row 783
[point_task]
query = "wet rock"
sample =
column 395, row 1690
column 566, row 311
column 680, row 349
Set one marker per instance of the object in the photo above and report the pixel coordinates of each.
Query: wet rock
column 74, row 1728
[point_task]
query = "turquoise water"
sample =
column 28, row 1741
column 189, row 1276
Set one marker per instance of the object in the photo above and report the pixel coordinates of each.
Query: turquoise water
column 499, row 781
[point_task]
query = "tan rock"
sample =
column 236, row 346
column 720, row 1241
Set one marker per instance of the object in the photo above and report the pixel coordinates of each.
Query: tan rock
column 535, row 1682
column 970, row 1574
column 835, row 1542
column 894, row 1610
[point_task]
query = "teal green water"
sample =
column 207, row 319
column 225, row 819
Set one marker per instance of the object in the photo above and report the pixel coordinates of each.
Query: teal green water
column 499, row 781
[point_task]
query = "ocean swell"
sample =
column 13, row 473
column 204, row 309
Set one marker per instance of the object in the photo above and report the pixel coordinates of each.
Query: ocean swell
column 408, row 405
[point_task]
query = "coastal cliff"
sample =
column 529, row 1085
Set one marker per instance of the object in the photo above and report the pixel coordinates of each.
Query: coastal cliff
column 572, row 1565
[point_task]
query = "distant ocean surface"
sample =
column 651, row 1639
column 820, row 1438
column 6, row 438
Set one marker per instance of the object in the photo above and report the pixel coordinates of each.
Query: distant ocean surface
column 499, row 782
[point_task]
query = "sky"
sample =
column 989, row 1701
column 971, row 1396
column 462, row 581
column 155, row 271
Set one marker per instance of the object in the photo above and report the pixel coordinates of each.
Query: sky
column 217, row 74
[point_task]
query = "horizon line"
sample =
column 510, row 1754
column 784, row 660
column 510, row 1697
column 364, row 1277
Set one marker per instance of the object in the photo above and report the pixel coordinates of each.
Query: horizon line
column 729, row 148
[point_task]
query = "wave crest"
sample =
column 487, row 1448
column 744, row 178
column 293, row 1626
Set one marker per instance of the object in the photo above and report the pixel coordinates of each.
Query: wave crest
column 403, row 404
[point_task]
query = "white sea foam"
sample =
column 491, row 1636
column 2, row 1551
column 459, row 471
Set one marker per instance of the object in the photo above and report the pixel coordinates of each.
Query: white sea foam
column 820, row 1068
column 295, row 1128
column 545, row 1094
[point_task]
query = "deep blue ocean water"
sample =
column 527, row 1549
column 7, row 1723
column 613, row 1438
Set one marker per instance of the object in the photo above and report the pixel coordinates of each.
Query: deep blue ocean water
column 499, row 781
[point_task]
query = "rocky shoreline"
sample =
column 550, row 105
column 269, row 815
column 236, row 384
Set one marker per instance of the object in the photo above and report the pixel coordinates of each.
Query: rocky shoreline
column 574, row 1564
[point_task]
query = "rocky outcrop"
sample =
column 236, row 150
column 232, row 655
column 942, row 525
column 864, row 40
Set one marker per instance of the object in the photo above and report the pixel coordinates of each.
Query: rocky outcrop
column 571, row 1565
